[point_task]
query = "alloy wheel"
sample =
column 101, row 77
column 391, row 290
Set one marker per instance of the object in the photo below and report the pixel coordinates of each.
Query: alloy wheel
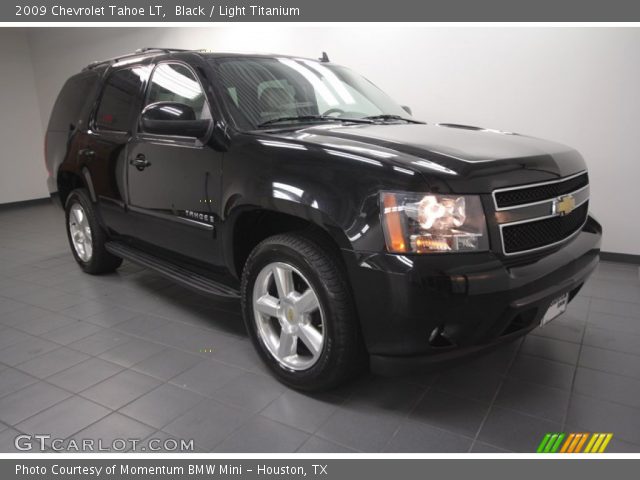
column 288, row 315
column 80, row 232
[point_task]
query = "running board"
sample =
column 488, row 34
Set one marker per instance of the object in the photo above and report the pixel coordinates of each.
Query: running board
column 172, row 271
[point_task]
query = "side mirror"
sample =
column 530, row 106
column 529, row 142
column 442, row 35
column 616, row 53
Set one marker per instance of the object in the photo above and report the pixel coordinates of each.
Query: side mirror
column 407, row 109
column 173, row 118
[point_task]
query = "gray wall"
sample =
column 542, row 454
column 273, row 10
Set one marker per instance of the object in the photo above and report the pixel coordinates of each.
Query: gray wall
column 22, row 170
column 573, row 85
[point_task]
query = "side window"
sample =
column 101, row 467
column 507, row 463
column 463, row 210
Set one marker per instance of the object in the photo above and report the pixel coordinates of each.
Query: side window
column 172, row 82
column 72, row 102
column 117, row 105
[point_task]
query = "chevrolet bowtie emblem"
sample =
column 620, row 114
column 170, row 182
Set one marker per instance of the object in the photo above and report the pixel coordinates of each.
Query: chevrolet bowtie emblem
column 564, row 205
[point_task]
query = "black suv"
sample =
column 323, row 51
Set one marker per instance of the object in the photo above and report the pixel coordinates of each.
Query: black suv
column 352, row 233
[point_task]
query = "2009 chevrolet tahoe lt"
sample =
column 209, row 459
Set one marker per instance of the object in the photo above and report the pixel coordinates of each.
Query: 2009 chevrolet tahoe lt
column 353, row 234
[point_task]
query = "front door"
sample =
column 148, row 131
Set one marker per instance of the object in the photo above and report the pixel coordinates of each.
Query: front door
column 174, row 181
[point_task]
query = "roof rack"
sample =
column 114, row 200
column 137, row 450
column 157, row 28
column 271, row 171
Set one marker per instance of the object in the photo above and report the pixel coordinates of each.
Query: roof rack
column 164, row 50
column 137, row 53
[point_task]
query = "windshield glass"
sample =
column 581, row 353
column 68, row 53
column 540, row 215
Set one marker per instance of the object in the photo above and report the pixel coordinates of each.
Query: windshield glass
column 259, row 90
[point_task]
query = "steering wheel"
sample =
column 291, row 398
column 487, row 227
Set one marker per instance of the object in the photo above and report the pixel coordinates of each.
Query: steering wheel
column 339, row 111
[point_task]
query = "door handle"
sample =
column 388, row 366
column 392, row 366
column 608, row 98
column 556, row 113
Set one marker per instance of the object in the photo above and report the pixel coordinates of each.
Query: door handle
column 140, row 162
column 86, row 153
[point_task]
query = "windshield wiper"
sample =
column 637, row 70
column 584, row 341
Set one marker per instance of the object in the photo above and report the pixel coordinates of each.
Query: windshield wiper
column 307, row 118
column 392, row 117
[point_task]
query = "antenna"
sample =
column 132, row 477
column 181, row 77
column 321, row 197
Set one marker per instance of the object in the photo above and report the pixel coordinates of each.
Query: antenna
column 324, row 58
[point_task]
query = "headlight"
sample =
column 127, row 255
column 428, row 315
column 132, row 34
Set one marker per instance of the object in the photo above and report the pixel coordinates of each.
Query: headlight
column 417, row 223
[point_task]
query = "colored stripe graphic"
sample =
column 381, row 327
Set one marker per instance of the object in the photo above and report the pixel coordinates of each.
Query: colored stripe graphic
column 606, row 441
column 555, row 447
column 581, row 442
column 550, row 443
column 572, row 447
column 574, row 442
column 598, row 442
column 567, row 443
column 543, row 443
column 594, row 437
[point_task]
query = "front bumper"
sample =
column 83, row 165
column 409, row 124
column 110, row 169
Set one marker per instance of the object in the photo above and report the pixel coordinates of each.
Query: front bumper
column 421, row 309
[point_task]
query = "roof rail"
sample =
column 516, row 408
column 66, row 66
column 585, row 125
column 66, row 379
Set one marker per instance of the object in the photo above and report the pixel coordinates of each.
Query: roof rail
column 138, row 52
column 165, row 50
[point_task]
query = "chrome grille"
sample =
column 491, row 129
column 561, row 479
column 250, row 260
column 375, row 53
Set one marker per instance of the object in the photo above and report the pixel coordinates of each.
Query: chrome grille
column 530, row 194
column 532, row 235
column 541, row 215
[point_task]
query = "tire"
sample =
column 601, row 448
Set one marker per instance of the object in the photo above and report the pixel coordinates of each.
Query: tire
column 89, row 248
column 269, row 319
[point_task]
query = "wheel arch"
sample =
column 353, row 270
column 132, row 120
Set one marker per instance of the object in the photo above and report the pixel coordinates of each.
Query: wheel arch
column 69, row 180
column 247, row 225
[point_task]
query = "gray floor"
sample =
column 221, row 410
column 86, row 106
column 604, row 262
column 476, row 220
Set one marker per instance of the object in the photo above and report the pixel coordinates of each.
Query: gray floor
column 131, row 355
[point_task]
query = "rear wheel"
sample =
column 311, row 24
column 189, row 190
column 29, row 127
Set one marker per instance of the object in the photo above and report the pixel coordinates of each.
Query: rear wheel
column 299, row 313
column 86, row 237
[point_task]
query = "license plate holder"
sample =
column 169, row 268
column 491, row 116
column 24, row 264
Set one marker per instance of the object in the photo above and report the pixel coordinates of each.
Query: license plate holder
column 557, row 307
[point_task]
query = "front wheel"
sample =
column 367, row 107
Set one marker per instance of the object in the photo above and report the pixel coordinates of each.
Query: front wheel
column 299, row 313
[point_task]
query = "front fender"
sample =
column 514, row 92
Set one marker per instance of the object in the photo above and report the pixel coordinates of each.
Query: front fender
column 306, row 213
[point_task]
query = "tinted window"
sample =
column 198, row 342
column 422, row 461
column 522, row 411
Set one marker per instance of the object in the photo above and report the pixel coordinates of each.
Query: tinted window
column 172, row 82
column 117, row 105
column 76, row 94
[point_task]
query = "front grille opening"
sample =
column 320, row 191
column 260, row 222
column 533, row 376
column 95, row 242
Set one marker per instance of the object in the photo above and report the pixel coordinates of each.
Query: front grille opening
column 520, row 321
column 537, row 234
column 511, row 198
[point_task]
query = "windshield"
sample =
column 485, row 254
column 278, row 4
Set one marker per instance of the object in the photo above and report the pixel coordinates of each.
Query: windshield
column 258, row 91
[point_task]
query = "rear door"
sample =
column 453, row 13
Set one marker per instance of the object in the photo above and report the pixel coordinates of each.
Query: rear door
column 67, row 129
column 174, row 182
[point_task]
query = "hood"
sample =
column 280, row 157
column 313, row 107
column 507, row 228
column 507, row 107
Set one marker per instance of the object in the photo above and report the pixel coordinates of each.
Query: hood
column 454, row 158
